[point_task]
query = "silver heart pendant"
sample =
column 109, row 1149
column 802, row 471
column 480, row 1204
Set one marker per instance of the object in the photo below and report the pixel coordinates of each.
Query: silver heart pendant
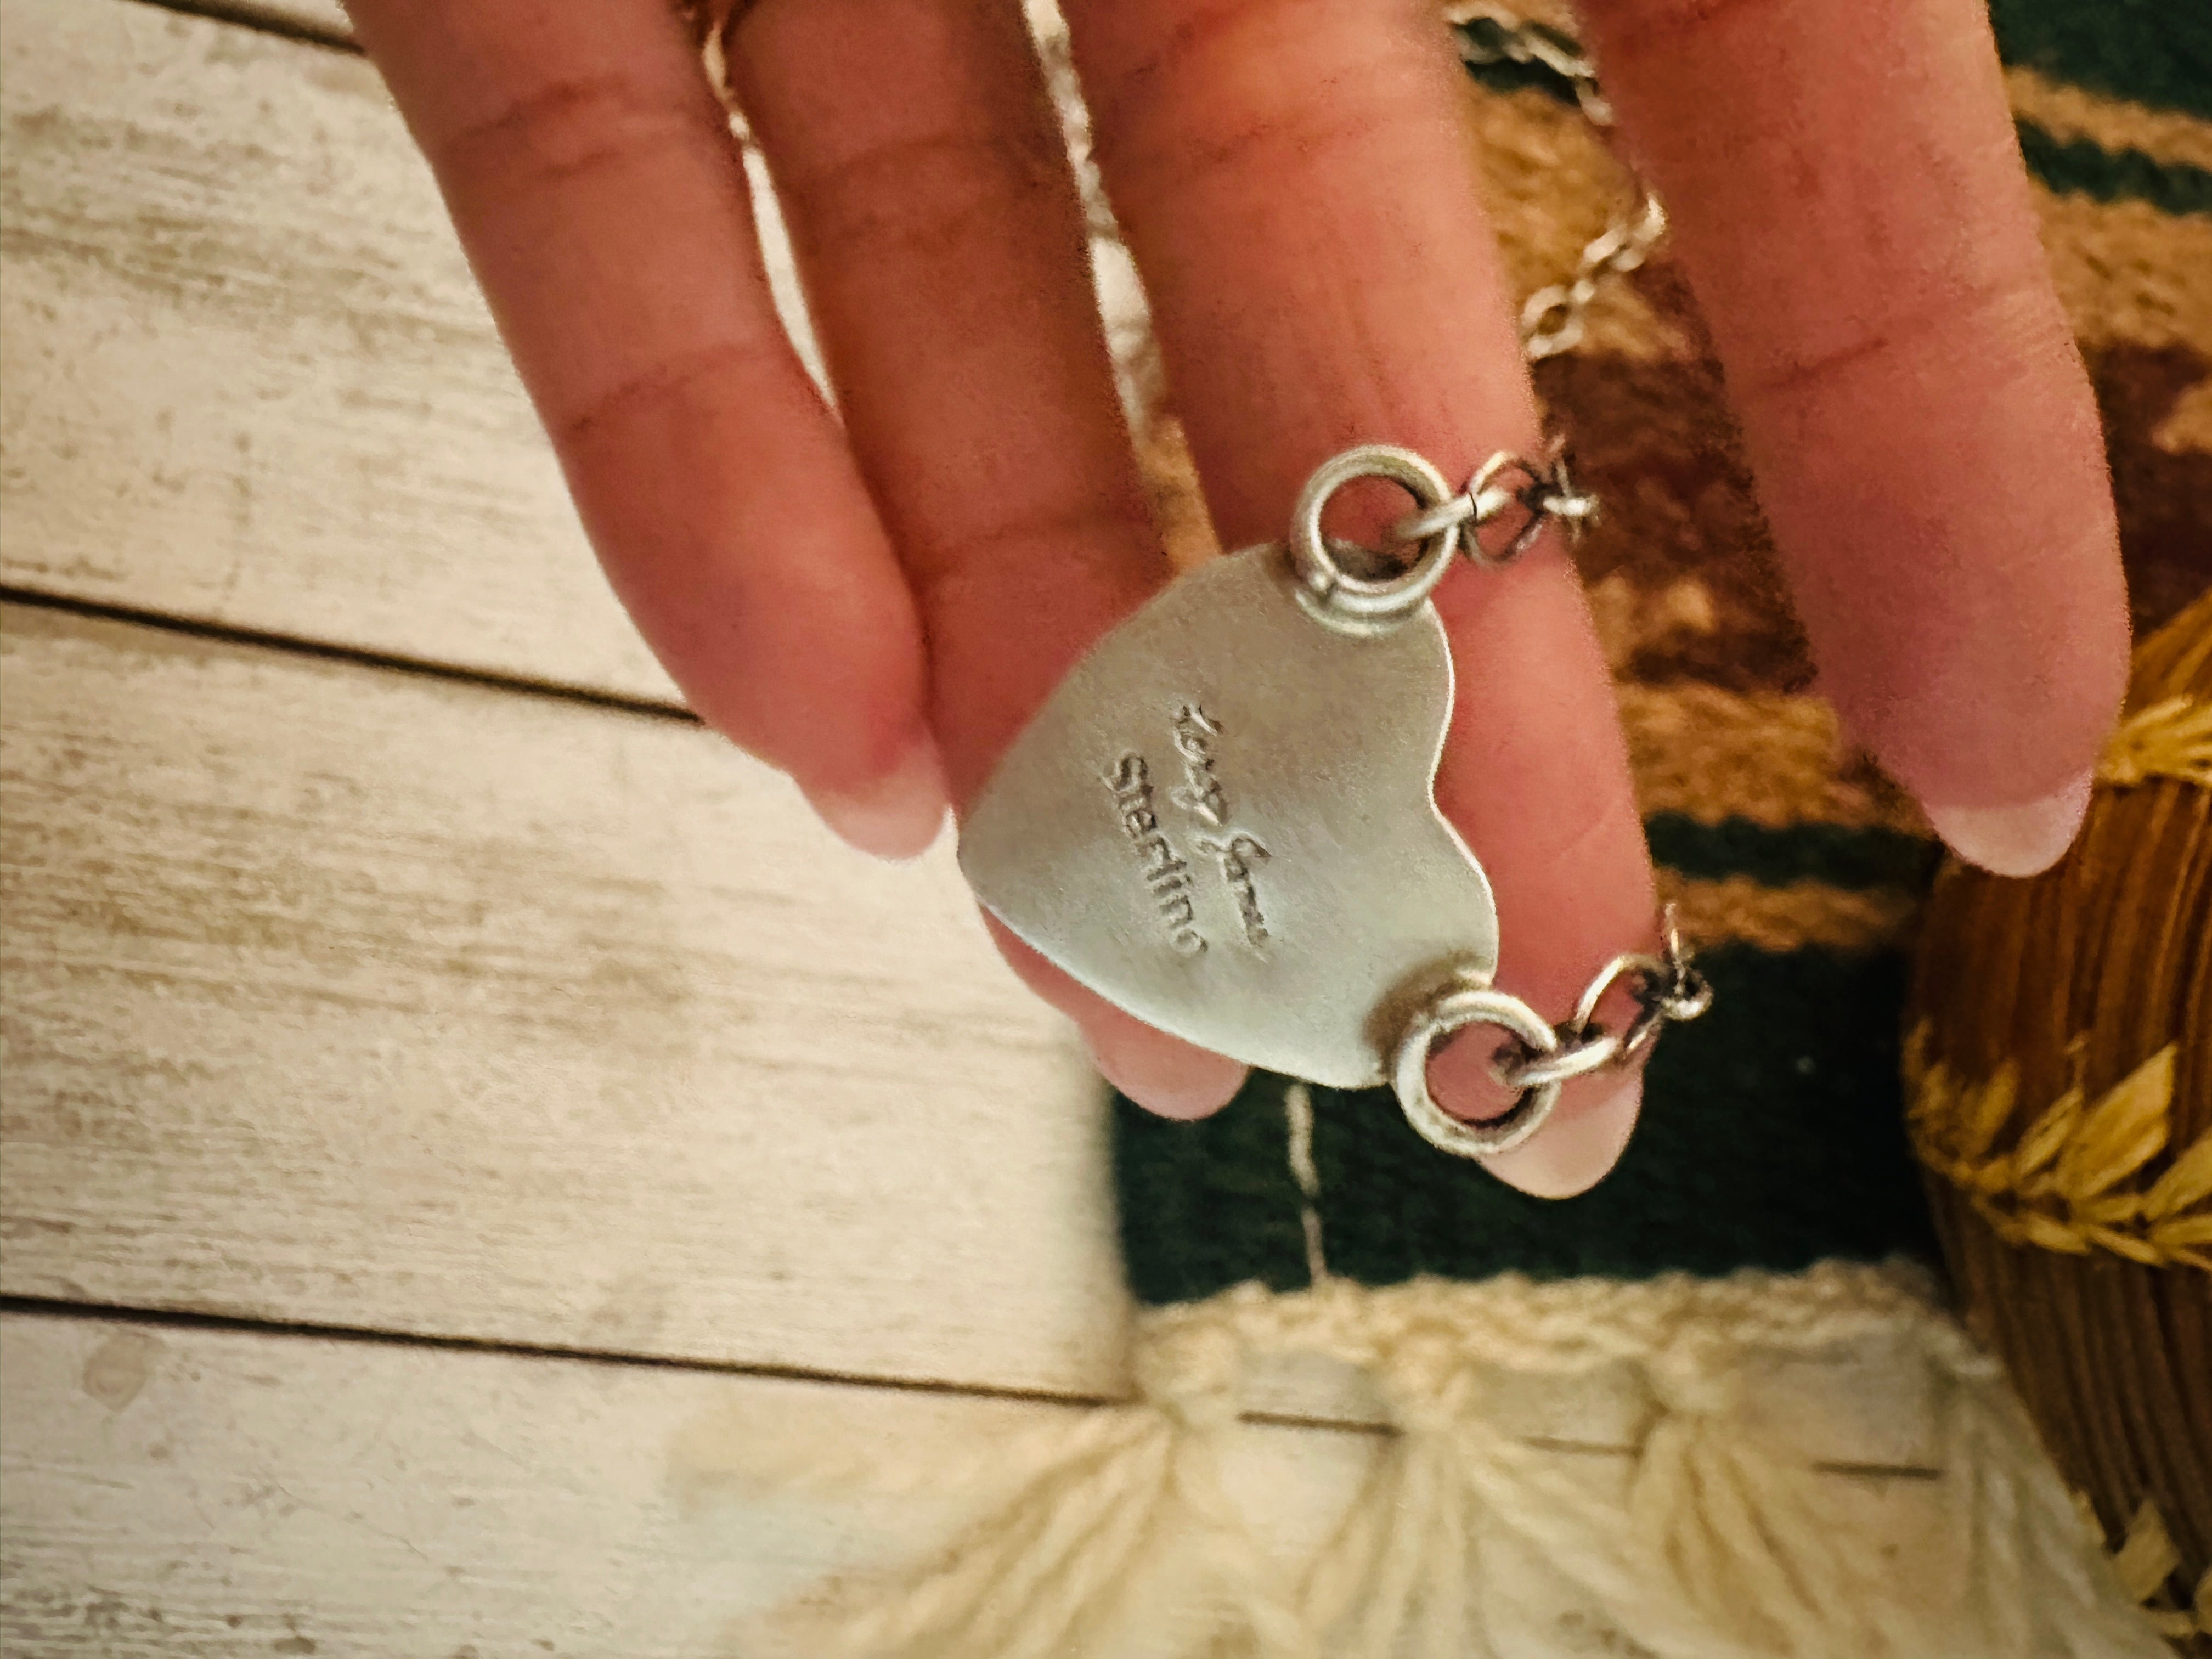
column 1225, row 822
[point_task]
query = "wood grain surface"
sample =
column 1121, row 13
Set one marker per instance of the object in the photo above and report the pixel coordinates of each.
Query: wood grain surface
column 250, row 379
column 365, row 999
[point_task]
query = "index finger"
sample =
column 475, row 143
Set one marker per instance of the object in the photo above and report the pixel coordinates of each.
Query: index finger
column 1848, row 199
column 591, row 174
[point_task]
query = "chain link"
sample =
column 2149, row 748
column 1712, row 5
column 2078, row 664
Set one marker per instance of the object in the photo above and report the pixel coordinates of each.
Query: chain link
column 1542, row 491
column 1511, row 38
column 1667, row 988
column 1553, row 320
column 1538, row 1059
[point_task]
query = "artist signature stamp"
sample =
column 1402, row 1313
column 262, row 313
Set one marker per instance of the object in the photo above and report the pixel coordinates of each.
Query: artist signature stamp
column 1200, row 796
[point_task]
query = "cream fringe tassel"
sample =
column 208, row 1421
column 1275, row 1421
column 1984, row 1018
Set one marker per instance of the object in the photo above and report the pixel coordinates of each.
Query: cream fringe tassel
column 1724, row 1544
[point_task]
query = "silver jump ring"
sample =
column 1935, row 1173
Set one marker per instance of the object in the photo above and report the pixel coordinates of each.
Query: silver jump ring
column 1655, row 974
column 1650, row 969
column 1357, row 605
column 1454, row 1009
column 1577, row 1056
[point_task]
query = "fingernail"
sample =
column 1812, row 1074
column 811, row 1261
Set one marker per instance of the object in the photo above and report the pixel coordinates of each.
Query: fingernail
column 2022, row 840
column 1578, row 1148
column 899, row 815
column 1164, row 1076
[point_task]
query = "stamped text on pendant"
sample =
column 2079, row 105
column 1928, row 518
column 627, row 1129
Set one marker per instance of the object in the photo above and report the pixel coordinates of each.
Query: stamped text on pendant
column 1202, row 796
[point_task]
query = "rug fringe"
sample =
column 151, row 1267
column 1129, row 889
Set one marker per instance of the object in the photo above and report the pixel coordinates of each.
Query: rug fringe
column 1725, row 1542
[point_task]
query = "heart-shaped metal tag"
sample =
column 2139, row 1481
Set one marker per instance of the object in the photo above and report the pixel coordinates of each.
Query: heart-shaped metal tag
column 1225, row 822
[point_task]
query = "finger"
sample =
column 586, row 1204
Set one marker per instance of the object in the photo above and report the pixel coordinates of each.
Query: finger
column 1158, row 1072
column 592, row 177
column 938, row 230
column 1848, row 199
column 1296, row 184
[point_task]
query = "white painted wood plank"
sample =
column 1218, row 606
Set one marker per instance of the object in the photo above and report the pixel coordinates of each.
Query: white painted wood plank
column 367, row 999
column 170, row 1493
column 250, row 379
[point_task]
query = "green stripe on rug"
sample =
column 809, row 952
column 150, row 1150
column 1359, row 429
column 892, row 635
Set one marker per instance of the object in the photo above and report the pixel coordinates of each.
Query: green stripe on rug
column 2071, row 166
column 2154, row 52
column 1853, row 858
column 1207, row 1205
column 2076, row 167
column 1772, row 1137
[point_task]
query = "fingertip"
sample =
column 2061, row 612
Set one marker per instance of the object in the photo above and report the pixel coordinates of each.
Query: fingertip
column 1160, row 1073
column 1587, row 1131
column 2020, row 838
column 898, row 814
column 1578, row 1147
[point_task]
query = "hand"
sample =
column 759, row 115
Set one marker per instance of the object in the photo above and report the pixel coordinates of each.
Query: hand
column 878, row 607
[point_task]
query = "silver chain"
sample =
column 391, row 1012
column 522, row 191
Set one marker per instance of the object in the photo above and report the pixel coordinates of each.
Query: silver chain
column 1520, row 41
column 1540, row 491
column 1553, row 320
column 1537, row 1060
column 1667, row 989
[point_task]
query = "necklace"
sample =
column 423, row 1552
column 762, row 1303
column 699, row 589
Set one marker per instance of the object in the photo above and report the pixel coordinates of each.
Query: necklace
column 1223, row 821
